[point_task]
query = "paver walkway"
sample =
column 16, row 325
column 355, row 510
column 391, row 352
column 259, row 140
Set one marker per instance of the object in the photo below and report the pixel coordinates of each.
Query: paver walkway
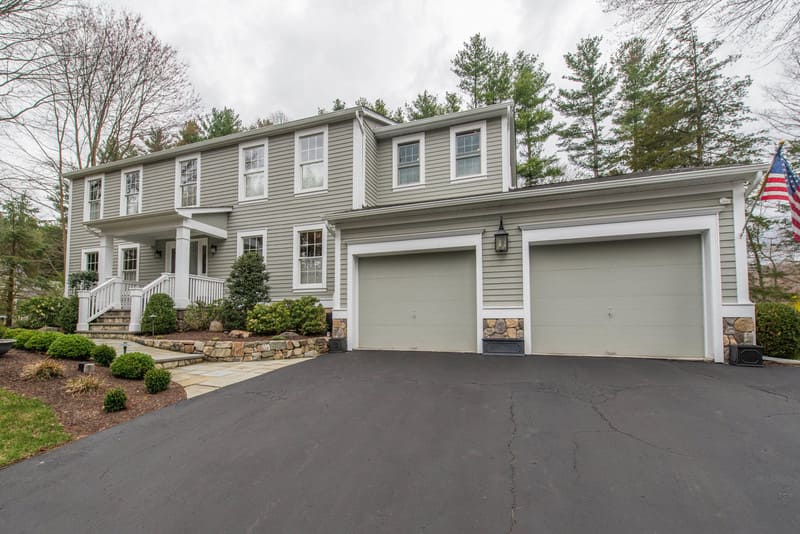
column 202, row 378
column 159, row 355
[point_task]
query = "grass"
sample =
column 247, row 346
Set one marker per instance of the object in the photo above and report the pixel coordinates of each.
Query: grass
column 26, row 427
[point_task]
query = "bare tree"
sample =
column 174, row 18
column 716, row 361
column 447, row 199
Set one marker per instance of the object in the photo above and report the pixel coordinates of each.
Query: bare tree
column 785, row 95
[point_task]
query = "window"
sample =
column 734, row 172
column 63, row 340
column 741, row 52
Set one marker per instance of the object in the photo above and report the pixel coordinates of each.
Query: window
column 253, row 171
column 311, row 161
column 310, row 246
column 252, row 241
column 187, row 181
column 93, row 209
column 131, row 188
column 468, row 151
column 129, row 263
column 408, row 155
column 91, row 261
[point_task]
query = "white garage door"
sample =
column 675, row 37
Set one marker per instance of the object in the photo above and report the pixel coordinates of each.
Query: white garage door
column 418, row 302
column 639, row 297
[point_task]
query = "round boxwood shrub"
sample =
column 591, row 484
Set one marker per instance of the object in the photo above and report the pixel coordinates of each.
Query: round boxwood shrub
column 156, row 380
column 71, row 347
column 115, row 400
column 132, row 365
column 41, row 341
column 308, row 316
column 21, row 336
column 778, row 329
column 68, row 316
column 103, row 355
column 159, row 315
column 270, row 318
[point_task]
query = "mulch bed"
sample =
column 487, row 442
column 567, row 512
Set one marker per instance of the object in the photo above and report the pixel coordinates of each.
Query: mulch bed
column 205, row 335
column 83, row 414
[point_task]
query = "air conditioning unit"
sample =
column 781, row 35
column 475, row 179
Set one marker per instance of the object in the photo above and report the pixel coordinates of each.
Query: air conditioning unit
column 747, row 355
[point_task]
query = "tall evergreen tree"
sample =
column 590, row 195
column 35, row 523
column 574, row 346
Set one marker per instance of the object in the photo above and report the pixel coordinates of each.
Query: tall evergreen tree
column 473, row 66
column 588, row 106
column 158, row 139
column 428, row 105
column 21, row 250
column 220, row 122
column 189, row 133
column 339, row 105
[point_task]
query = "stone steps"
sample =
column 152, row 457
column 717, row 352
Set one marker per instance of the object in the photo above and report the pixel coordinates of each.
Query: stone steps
column 112, row 323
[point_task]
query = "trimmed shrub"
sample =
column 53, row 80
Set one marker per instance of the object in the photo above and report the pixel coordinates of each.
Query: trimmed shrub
column 41, row 341
column 269, row 318
column 83, row 280
column 36, row 312
column 68, row 316
column 247, row 286
column 103, row 355
column 308, row 316
column 778, row 329
column 162, row 307
column 157, row 380
column 198, row 316
column 46, row 369
column 83, row 384
column 21, row 335
column 115, row 400
column 133, row 365
column 71, row 347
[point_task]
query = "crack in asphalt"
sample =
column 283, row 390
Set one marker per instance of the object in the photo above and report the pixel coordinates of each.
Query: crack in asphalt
column 512, row 463
column 634, row 437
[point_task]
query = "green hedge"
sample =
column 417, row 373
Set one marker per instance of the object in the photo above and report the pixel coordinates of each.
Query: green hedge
column 41, row 341
column 71, row 347
column 115, row 400
column 304, row 315
column 36, row 312
column 103, row 355
column 162, row 307
column 20, row 335
column 133, row 365
column 68, row 316
column 157, row 380
column 778, row 329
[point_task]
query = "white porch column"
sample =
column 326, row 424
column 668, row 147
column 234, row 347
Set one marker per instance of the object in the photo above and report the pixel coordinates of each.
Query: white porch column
column 182, row 241
column 83, row 310
column 135, row 325
column 105, row 269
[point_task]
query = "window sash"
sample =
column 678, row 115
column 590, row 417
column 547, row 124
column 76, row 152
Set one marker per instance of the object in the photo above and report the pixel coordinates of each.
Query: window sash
column 92, row 261
column 253, row 243
column 133, row 181
column 130, row 263
column 468, row 153
column 312, row 148
column 312, row 175
column 95, row 197
column 254, row 184
column 310, row 257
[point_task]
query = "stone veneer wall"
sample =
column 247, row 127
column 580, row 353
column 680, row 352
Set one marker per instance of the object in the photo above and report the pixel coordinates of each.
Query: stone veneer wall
column 244, row 351
column 504, row 328
column 737, row 330
column 339, row 328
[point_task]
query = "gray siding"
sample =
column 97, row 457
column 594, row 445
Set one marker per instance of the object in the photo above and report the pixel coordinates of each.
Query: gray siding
column 437, row 169
column 371, row 164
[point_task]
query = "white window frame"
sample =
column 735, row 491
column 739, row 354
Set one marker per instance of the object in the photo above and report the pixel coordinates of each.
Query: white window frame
column 461, row 128
column 262, row 233
column 86, row 196
column 178, row 178
column 396, row 142
column 122, row 200
column 242, row 182
column 296, row 285
column 84, row 263
column 298, row 178
column 120, row 258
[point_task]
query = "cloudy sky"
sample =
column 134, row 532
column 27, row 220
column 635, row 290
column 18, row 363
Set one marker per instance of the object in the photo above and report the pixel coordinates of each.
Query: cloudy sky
column 260, row 56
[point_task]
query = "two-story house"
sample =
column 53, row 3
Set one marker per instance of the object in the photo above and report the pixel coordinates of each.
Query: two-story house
column 416, row 236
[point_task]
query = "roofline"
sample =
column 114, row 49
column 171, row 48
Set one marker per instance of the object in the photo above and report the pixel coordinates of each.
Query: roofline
column 227, row 140
column 441, row 121
column 720, row 174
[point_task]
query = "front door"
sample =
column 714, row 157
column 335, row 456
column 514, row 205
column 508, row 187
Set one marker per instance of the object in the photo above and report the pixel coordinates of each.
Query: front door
column 198, row 256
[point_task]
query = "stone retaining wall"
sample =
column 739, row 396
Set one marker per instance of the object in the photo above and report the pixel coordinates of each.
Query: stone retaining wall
column 243, row 351
column 339, row 328
column 513, row 328
column 736, row 331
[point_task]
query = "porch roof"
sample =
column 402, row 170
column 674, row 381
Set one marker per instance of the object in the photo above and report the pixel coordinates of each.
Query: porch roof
column 162, row 224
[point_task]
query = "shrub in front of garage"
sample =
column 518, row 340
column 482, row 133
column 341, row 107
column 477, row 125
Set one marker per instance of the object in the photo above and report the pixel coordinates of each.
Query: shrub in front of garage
column 305, row 316
column 778, row 329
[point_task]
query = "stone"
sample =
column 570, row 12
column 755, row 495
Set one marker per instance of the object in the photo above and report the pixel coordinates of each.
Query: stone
column 199, row 346
column 290, row 335
column 748, row 338
column 207, row 350
column 744, row 324
column 511, row 323
column 215, row 326
column 297, row 352
column 311, row 354
column 278, row 355
column 220, row 353
column 520, row 323
column 239, row 333
column 500, row 326
column 237, row 349
column 224, row 344
column 725, row 341
column 511, row 332
column 490, row 323
column 488, row 332
column 267, row 354
column 277, row 344
column 249, row 350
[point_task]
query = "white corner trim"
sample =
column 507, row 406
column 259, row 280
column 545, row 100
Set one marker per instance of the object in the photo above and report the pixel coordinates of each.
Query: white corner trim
column 242, row 183
column 120, row 248
column 67, row 254
column 505, row 151
column 503, row 313
column 296, row 285
column 396, row 142
column 122, row 204
column 454, row 130
column 178, row 161
column 436, row 244
column 359, row 164
column 86, row 196
column 707, row 226
column 298, row 182
column 740, row 309
column 337, row 268
column 258, row 232
column 339, row 313
column 740, row 244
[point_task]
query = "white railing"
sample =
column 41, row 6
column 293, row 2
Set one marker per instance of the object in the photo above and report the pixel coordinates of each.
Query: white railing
column 125, row 287
column 163, row 284
column 102, row 298
column 205, row 289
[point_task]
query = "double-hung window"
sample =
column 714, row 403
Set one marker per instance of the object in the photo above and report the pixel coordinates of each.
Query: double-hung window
column 408, row 156
column 311, row 160
column 129, row 263
column 91, row 261
column 131, row 202
column 187, row 181
column 93, row 208
column 253, row 171
column 309, row 257
column 468, row 151
column 252, row 241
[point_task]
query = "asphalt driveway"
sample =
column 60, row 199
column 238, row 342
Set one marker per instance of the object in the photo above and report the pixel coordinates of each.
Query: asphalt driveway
column 396, row 442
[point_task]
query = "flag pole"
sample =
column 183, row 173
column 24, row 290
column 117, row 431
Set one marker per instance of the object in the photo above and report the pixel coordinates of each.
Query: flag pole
column 763, row 186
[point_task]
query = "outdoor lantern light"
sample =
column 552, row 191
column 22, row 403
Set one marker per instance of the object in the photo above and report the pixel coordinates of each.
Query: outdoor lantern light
column 124, row 347
column 212, row 249
column 158, row 253
column 501, row 239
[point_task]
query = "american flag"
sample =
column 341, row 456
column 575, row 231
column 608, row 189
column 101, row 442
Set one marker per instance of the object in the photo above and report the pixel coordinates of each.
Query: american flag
column 783, row 184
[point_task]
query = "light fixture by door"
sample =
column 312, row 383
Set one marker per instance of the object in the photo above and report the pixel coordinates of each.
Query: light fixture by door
column 501, row 239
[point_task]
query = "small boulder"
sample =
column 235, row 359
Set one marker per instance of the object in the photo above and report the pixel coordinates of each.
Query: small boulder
column 215, row 326
column 291, row 335
column 239, row 333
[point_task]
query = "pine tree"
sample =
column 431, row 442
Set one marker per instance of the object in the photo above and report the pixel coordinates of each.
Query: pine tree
column 499, row 84
column 220, row 122
column 589, row 106
column 423, row 106
column 473, row 65
column 189, row 133
column 157, row 139
column 452, row 102
column 339, row 105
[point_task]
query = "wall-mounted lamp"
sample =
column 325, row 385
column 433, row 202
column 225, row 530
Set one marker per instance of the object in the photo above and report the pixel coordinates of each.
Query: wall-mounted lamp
column 501, row 239
column 158, row 253
column 213, row 250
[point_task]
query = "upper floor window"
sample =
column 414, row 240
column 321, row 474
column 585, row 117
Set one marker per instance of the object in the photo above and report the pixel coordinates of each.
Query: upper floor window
column 93, row 208
column 311, row 160
column 468, row 151
column 408, row 156
column 253, row 171
column 252, row 241
column 309, row 257
column 129, row 263
column 187, row 181
column 131, row 202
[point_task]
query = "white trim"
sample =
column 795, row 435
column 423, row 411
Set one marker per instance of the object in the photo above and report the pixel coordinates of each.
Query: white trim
column 169, row 246
column 707, row 226
column 339, row 313
column 92, row 250
column 120, row 248
column 205, row 228
column 454, row 130
column 740, row 244
column 296, row 285
column 122, row 203
column 86, row 196
column 298, row 190
column 396, row 141
column 415, row 235
column 503, row 313
column 436, row 244
column 359, row 164
column 178, row 161
column 67, row 255
column 242, row 187
column 261, row 232
column 505, row 151
column 337, row 268
column 629, row 217
column 742, row 309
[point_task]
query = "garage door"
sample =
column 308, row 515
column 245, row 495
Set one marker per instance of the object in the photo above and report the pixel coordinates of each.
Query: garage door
column 638, row 297
column 418, row 302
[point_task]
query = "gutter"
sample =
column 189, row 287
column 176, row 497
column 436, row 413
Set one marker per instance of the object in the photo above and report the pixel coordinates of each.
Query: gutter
column 442, row 121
